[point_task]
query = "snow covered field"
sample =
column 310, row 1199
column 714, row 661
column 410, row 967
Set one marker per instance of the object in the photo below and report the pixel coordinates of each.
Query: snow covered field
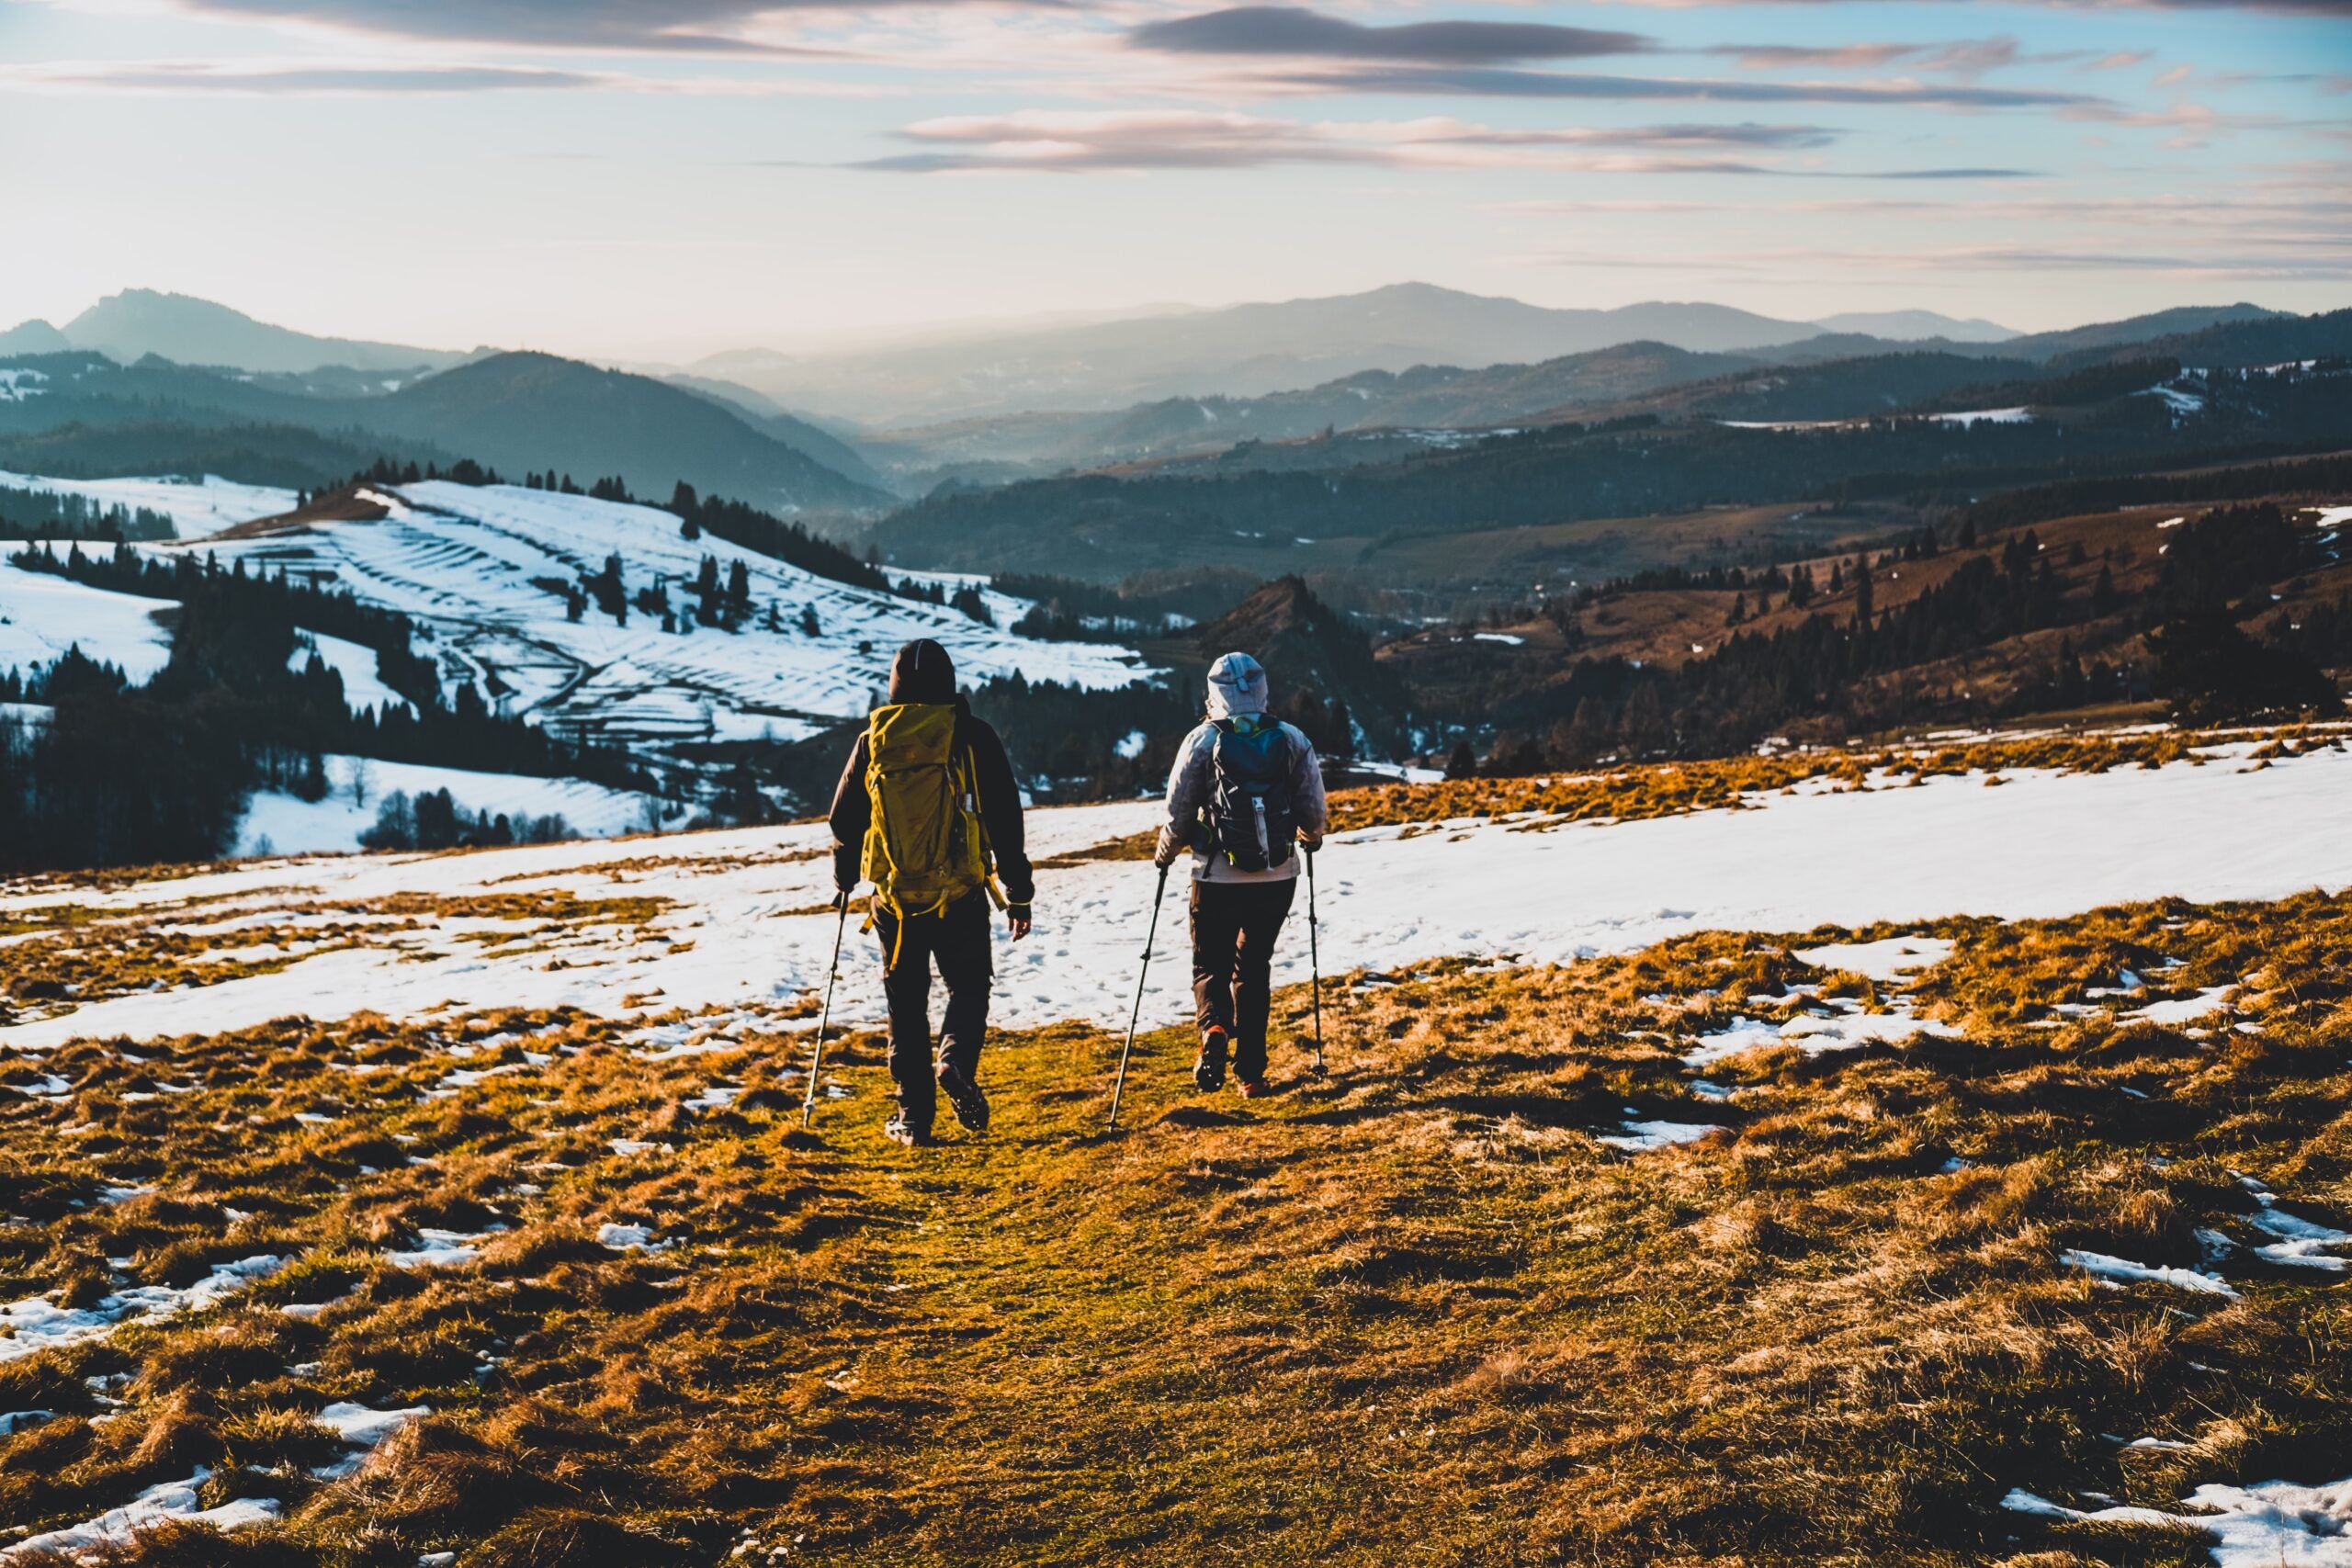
column 195, row 506
column 42, row 615
column 284, row 824
column 483, row 569
column 750, row 901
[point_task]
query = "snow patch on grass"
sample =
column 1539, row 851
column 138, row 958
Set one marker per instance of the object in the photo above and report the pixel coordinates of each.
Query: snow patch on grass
column 2270, row 1524
column 2106, row 1266
column 37, row 1324
column 168, row 1501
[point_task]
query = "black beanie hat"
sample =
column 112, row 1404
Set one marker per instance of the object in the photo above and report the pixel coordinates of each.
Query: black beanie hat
column 923, row 673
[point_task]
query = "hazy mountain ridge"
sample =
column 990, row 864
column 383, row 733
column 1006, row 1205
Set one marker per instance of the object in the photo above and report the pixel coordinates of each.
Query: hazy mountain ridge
column 1239, row 350
column 514, row 411
column 1834, row 376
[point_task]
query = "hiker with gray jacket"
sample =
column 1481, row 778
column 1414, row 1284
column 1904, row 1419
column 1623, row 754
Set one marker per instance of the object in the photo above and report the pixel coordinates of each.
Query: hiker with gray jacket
column 1245, row 795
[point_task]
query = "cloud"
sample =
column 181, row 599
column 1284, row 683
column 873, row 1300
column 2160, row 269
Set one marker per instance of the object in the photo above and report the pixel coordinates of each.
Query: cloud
column 644, row 26
column 1476, row 82
column 1128, row 141
column 1076, row 141
column 1955, row 57
column 1301, row 34
column 213, row 77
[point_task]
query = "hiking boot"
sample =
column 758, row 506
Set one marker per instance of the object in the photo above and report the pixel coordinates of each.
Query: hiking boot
column 1209, row 1070
column 1249, row 1088
column 971, row 1107
column 899, row 1130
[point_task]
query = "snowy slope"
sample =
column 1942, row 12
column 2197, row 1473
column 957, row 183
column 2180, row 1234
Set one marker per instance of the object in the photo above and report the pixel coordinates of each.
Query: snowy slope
column 462, row 560
column 750, row 901
column 362, row 687
column 195, row 506
column 41, row 615
column 282, row 824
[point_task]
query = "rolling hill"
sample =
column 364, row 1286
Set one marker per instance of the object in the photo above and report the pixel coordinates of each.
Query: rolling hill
column 495, row 570
column 87, row 415
column 520, row 411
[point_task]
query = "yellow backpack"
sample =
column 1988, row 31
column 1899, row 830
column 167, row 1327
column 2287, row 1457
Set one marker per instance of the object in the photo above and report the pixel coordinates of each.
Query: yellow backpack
column 926, row 846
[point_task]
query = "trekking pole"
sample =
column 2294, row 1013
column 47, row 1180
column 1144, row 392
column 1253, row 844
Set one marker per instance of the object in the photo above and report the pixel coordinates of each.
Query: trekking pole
column 809, row 1103
column 1119, row 1086
column 1315, row 961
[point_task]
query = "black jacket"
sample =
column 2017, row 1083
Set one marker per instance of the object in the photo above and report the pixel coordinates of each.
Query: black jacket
column 1000, row 805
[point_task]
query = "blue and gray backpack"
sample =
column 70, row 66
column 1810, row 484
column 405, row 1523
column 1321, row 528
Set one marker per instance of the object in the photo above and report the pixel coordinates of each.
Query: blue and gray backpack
column 1252, row 819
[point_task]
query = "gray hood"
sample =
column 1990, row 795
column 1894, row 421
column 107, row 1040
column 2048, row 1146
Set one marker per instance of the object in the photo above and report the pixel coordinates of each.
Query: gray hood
column 1237, row 686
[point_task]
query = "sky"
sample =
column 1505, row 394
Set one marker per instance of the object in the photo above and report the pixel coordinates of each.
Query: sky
column 662, row 179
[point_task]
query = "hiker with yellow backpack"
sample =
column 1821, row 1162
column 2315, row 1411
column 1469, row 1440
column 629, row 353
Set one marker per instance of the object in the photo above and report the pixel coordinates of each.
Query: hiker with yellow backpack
column 929, row 812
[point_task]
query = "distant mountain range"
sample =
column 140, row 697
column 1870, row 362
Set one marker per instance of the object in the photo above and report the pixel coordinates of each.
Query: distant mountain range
column 130, row 390
column 1833, row 375
column 1241, row 351
column 82, row 413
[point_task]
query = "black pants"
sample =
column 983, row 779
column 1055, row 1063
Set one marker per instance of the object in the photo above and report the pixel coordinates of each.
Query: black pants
column 958, row 940
column 1234, row 928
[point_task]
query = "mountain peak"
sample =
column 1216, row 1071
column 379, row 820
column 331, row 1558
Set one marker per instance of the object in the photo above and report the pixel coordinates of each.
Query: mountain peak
column 129, row 325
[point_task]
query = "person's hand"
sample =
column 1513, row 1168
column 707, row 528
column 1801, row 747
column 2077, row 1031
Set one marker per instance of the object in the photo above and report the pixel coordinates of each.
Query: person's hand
column 840, row 900
column 1016, row 921
column 1164, row 853
column 1312, row 844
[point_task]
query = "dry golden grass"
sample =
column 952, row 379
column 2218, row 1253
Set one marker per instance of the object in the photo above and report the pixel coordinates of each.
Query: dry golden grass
column 1410, row 1312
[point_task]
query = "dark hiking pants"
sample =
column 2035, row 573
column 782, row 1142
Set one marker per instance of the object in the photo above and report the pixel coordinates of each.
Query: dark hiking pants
column 1234, row 928
column 956, row 939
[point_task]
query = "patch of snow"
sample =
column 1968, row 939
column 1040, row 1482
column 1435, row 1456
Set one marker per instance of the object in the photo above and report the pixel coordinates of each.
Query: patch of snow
column 195, row 506
column 1506, row 639
column 628, row 1238
column 625, row 1147
column 19, row 383
column 332, row 825
column 1130, row 745
column 2187, row 1010
column 42, row 614
column 363, row 1430
column 168, row 1501
column 1640, row 1136
column 363, row 689
column 2302, row 1242
column 441, row 1249
column 1895, row 958
column 2106, row 1266
column 1986, row 416
column 37, row 1324
column 2270, row 1524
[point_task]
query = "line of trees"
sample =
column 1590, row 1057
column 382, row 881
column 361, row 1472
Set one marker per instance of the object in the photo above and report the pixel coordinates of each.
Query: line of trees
column 60, row 515
column 1852, row 664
